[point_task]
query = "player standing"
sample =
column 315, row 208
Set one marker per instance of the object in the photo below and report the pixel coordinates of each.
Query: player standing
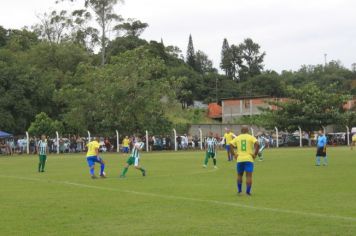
column 247, row 149
column 134, row 159
column 126, row 145
column 93, row 157
column 228, row 137
column 321, row 149
column 353, row 139
column 42, row 150
column 210, row 146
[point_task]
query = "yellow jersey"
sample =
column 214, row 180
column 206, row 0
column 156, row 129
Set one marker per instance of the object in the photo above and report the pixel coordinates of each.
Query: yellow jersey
column 354, row 138
column 245, row 144
column 126, row 142
column 91, row 148
column 228, row 137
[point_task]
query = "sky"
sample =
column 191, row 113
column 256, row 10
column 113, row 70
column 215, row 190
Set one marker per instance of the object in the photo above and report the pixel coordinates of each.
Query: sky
column 291, row 32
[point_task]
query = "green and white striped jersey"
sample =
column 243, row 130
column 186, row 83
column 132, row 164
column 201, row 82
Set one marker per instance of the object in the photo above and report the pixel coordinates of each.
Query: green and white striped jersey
column 42, row 147
column 211, row 144
column 136, row 149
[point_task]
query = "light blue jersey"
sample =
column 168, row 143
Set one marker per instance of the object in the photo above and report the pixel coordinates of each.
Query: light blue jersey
column 321, row 141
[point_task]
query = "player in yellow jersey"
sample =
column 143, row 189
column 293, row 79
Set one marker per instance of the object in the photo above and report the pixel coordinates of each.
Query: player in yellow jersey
column 126, row 145
column 228, row 137
column 247, row 150
column 93, row 156
column 353, row 141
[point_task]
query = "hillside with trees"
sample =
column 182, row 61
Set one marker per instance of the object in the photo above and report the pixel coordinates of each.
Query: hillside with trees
column 69, row 72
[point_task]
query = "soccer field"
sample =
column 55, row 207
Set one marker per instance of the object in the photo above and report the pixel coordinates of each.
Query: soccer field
column 291, row 196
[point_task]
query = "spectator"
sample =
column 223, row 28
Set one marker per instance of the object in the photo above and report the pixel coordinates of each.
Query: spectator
column 61, row 145
column 50, row 145
column 168, row 142
column 32, row 145
column 107, row 144
column 79, row 144
column 196, row 141
column 73, row 144
column 179, row 142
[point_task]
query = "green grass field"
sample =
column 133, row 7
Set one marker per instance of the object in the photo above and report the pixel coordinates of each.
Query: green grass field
column 291, row 196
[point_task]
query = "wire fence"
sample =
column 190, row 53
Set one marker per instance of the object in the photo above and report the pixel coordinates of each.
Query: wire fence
column 173, row 141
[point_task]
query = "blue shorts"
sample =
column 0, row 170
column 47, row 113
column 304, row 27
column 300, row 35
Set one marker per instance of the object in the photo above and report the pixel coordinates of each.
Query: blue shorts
column 227, row 147
column 125, row 149
column 245, row 166
column 91, row 160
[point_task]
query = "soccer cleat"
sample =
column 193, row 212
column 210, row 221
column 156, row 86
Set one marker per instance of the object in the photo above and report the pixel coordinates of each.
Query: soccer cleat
column 239, row 193
column 248, row 194
column 103, row 176
column 204, row 166
column 94, row 177
column 122, row 176
column 215, row 167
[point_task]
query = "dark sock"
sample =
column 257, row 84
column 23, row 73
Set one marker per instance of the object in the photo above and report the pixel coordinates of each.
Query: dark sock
column 239, row 187
column 248, row 189
column 102, row 168
column 43, row 163
column 214, row 161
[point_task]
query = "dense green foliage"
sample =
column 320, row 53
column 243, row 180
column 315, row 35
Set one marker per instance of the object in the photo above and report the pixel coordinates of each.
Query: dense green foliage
column 131, row 84
column 301, row 199
column 308, row 107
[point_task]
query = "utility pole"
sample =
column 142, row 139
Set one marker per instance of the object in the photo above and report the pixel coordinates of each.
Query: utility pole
column 325, row 60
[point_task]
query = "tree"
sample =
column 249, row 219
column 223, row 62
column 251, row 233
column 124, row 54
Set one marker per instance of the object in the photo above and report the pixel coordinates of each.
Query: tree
column 104, row 16
column 190, row 59
column 44, row 125
column 126, row 94
column 268, row 83
column 252, row 59
column 3, row 36
column 54, row 26
column 242, row 61
column 307, row 107
column 132, row 27
column 226, row 63
column 203, row 63
column 123, row 44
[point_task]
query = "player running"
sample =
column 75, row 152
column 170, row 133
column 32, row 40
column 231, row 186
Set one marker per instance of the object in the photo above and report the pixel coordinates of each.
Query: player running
column 93, row 157
column 134, row 159
column 262, row 143
column 228, row 137
column 247, row 149
column 321, row 149
column 210, row 147
column 42, row 150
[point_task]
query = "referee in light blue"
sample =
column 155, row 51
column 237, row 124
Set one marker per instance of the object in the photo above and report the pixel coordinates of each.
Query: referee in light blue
column 321, row 149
